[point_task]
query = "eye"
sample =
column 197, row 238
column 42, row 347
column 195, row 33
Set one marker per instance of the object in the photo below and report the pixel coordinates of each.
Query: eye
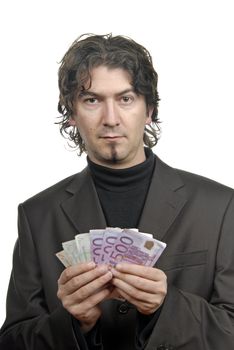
column 91, row 100
column 127, row 100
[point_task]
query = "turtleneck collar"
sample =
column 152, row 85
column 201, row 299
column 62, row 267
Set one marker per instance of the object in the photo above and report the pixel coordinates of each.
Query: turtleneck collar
column 119, row 180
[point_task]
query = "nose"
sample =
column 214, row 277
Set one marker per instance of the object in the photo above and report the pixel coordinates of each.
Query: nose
column 111, row 115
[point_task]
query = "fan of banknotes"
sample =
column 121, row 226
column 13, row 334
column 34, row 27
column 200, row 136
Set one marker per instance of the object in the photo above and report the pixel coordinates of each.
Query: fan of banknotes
column 111, row 246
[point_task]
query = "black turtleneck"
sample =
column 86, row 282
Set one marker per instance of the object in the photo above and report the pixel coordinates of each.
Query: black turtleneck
column 122, row 192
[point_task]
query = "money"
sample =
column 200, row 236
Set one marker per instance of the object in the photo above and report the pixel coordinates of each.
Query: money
column 96, row 239
column 111, row 246
column 109, row 239
column 83, row 246
column 71, row 252
column 63, row 258
column 136, row 248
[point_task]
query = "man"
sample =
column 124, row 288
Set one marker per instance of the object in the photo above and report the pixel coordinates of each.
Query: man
column 108, row 102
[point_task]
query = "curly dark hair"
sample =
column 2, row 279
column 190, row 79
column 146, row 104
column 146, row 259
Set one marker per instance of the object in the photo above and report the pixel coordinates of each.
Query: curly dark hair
column 90, row 51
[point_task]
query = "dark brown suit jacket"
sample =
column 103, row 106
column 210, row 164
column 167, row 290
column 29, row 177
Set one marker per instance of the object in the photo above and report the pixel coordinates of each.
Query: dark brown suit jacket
column 193, row 215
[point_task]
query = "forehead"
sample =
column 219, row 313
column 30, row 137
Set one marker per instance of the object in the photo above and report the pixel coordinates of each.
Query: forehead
column 105, row 80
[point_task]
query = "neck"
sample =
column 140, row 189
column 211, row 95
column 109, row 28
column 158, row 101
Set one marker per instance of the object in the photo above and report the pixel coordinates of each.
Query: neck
column 125, row 177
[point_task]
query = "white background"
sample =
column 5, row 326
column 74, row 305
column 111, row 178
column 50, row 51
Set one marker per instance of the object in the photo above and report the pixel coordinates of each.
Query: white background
column 191, row 42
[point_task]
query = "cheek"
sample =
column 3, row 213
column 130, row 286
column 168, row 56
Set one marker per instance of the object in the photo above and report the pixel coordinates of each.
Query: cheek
column 85, row 127
column 140, row 125
column 87, row 133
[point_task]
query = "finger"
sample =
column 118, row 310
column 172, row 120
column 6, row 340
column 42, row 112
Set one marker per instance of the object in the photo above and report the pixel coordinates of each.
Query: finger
column 148, row 272
column 144, row 302
column 130, row 292
column 145, row 307
column 87, row 307
column 114, row 294
column 140, row 283
column 81, row 280
column 75, row 270
column 90, row 289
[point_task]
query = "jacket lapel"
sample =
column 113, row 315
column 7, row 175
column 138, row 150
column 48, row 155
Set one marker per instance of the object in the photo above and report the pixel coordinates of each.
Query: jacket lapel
column 166, row 198
column 83, row 208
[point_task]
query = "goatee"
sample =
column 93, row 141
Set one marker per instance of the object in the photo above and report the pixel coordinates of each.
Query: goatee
column 113, row 154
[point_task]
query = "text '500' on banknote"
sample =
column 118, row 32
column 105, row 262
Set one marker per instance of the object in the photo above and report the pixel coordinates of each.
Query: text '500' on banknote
column 111, row 246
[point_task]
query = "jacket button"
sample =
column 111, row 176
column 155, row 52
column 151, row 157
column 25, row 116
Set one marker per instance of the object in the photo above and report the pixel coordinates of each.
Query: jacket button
column 123, row 308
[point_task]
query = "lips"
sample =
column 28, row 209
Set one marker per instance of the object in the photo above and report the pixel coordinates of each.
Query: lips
column 111, row 137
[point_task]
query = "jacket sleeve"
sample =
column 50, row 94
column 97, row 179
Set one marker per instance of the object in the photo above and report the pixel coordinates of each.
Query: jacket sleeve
column 188, row 321
column 29, row 325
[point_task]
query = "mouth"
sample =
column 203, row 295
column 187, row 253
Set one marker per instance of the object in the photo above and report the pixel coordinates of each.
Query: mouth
column 112, row 137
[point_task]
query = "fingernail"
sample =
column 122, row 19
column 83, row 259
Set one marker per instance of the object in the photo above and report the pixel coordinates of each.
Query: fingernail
column 102, row 268
column 113, row 271
column 109, row 273
column 118, row 266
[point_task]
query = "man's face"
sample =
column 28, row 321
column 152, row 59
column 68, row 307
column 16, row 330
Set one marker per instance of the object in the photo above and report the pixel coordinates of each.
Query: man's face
column 111, row 118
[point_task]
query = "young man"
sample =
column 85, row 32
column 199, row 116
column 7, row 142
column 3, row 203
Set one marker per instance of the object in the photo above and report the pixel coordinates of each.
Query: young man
column 108, row 102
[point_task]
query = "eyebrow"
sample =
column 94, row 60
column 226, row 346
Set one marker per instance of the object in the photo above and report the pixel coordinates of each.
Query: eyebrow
column 94, row 94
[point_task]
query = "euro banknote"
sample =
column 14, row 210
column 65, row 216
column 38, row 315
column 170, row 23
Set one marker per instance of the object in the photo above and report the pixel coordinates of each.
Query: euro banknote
column 112, row 246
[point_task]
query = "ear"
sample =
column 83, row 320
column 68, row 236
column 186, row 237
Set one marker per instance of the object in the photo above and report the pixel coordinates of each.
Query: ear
column 149, row 115
column 72, row 121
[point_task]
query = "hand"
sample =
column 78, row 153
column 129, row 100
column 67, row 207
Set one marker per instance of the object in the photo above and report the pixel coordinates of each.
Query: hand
column 143, row 286
column 81, row 288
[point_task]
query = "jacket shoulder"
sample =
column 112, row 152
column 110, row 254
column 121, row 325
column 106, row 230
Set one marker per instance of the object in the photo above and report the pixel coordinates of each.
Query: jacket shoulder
column 205, row 189
column 196, row 180
column 55, row 193
column 193, row 184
